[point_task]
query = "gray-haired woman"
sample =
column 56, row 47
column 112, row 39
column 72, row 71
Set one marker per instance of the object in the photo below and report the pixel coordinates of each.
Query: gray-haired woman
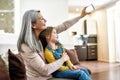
column 31, row 48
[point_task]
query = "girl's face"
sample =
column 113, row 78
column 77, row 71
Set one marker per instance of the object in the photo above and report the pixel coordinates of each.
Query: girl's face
column 40, row 23
column 53, row 37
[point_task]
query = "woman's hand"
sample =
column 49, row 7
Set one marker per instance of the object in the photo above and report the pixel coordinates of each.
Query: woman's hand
column 65, row 57
column 83, row 13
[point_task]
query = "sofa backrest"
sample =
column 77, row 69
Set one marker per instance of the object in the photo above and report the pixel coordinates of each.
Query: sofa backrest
column 4, row 48
column 73, row 56
column 4, row 74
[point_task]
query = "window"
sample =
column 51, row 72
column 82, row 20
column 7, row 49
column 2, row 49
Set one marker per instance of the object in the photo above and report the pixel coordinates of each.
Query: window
column 8, row 11
column 7, row 16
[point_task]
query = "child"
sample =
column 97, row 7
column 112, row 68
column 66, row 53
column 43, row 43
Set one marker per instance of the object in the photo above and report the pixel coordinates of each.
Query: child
column 54, row 50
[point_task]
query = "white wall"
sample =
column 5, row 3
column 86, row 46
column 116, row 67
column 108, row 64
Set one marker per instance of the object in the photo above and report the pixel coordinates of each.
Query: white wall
column 102, row 36
column 78, row 27
column 54, row 11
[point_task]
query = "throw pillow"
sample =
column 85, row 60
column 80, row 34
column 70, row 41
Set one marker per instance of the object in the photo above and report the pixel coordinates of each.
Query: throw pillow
column 16, row 66
column 73, row 56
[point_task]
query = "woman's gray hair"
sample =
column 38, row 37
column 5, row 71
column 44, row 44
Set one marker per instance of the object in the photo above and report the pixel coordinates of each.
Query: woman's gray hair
column 27, row 35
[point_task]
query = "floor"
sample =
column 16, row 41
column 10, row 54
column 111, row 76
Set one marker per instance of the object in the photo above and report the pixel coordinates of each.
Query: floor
column 103, row 70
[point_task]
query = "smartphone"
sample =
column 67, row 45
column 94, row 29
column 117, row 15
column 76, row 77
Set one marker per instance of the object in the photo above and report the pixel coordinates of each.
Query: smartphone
column 90, row 8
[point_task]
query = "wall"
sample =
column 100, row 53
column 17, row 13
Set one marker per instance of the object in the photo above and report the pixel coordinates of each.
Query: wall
column 54, row 11
column 103, row 52
column 78, row 27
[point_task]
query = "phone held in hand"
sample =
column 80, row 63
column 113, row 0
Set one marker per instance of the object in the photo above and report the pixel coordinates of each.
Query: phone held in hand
column 90, row 8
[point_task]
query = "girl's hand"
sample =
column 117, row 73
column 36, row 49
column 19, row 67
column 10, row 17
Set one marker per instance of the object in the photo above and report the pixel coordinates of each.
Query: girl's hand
column 73, row 67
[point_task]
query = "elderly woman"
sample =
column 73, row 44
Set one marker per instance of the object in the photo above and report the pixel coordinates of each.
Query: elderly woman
column 31, row 48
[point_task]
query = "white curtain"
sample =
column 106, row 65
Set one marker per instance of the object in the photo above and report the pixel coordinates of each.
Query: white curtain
column 117, row 31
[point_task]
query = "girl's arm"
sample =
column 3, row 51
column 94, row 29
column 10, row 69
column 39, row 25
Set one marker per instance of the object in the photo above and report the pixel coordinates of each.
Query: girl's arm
column 50, row 59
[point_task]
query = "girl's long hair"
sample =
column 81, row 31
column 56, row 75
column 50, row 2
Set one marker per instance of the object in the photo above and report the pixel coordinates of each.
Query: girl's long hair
column 43, row 35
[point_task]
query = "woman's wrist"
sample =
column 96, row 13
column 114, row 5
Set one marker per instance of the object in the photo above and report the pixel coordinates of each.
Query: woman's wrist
column 63, row 59
column 81, row 16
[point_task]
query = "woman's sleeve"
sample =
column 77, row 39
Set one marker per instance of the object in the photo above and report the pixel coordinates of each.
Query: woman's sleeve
column 50, row 58
column 67, row 24
column 33, row 60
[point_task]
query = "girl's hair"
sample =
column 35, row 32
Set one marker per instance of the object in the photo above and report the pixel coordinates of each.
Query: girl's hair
column 43, row 35
column 27, row 34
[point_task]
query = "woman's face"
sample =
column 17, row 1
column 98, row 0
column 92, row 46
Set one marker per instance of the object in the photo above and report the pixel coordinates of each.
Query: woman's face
column 40, row 23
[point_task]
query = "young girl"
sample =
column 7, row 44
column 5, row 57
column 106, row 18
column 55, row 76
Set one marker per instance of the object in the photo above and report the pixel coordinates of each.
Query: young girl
column 54, row 50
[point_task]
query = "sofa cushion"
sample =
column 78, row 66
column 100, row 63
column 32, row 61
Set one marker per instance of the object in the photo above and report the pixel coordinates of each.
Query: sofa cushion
column 16, row 66
column 73, row 56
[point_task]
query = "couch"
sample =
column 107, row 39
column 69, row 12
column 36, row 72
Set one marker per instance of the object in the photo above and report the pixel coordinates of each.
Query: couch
column 4, row 74
column 16, row 70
